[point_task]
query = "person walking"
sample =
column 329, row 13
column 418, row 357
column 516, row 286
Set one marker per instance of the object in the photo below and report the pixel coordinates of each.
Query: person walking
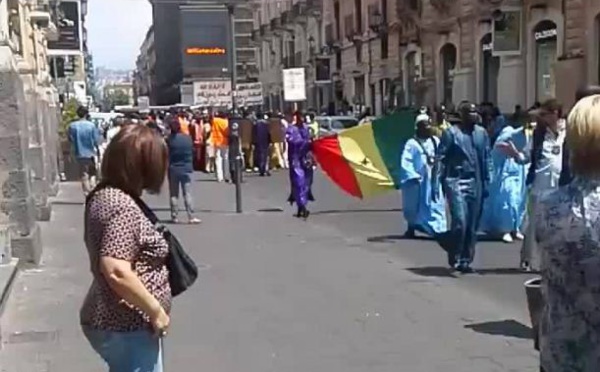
column 545, row 159
column 220, row 141
column 261, row 137
column 421, row 212
column 463, row 168
column 298, row 141
column 181, row 160
column 85, row 139
column 126, row 311
column 504, row 209
column 567, row 230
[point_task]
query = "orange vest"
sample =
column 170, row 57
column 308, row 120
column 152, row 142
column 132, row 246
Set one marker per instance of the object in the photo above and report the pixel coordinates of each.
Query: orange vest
column 185, row 126
column 220, row 132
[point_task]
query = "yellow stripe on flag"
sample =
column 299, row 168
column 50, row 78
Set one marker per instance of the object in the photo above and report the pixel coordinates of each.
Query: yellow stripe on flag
column 360, row 151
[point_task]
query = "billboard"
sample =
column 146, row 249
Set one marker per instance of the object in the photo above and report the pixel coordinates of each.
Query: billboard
column 68, row 25
column 249, row 94
column 217, row 93
column 294, row 85
column 212, row 93
column 205, row 39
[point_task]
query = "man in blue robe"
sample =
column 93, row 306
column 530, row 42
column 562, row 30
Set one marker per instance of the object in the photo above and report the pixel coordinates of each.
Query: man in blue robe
column 504, row 210
column 261, row 138
column 421, row 212
column 463, row 168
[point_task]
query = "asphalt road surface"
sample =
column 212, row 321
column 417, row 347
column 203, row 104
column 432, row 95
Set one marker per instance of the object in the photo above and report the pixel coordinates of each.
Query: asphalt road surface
column 340, row 292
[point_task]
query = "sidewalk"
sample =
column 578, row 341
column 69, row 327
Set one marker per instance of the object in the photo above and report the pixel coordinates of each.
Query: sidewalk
column 275, row 294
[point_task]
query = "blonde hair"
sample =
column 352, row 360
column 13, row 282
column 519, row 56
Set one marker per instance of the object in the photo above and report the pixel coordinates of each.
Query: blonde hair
column 583, row 137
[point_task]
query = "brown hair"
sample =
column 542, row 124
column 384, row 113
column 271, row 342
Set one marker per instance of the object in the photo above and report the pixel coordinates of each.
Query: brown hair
column 136, row 160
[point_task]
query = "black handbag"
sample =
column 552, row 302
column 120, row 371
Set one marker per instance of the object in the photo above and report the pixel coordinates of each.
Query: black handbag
column 183, row 271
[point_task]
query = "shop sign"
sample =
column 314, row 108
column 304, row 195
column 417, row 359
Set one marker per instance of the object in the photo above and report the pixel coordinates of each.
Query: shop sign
column 546, row 34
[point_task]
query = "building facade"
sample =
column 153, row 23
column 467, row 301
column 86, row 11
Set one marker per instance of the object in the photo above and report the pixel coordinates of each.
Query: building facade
column 169, row 78
column 389, row 53
column 28, row 127
column 68, row 50
column 290, row 34
column 145, row 67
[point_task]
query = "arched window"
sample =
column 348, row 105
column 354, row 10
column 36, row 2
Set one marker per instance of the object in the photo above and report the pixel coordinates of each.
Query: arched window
column 448, row 64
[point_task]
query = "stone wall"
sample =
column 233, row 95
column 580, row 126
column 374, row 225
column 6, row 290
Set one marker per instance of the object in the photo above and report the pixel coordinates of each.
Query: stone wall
column 28, row 139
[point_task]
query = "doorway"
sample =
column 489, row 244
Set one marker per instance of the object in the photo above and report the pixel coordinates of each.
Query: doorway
column 490, row 68
column 448, row 64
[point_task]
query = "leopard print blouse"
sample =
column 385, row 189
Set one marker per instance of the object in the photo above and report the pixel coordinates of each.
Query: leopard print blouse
column 116, row 227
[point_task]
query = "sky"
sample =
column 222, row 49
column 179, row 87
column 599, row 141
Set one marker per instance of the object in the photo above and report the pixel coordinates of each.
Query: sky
column 116, row 29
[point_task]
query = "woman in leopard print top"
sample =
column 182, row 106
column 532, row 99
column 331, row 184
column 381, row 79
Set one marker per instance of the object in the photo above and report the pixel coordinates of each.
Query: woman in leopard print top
column 126, row 309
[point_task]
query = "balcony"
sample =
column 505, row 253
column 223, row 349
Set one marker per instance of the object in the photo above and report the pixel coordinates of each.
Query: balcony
column 256, row 36
column 314, row 6
column 285, row 18
column 264, row 31
column 275, row 24
column 299, row 10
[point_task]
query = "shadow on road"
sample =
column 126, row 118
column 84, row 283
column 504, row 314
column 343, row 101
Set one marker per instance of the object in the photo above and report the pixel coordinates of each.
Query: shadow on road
column 508, row 328
column 432, row 271
column 347, row 211
column 393, row 238
column 67, row 202
column 442, row 271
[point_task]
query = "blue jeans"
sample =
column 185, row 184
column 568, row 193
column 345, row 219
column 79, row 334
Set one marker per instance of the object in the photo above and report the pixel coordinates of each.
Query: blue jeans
column 137, row 351
column 181, row 181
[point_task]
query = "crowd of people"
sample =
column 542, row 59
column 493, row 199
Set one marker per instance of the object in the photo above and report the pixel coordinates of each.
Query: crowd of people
column 532, row 176
column 202, row 140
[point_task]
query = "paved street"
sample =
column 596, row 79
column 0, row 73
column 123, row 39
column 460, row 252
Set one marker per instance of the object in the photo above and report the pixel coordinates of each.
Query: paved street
column 340, row 292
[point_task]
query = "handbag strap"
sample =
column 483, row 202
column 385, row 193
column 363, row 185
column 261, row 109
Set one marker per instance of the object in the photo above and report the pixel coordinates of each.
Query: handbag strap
column 148, row 212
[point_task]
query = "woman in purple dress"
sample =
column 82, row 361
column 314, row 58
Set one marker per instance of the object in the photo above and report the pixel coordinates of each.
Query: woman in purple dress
column 298, row 140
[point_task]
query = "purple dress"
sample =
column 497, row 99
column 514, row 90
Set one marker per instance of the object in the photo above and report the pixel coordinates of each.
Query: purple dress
column 298, row 140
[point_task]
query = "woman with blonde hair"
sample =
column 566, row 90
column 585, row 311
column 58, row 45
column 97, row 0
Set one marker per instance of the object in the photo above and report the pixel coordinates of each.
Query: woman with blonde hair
column 567, row 227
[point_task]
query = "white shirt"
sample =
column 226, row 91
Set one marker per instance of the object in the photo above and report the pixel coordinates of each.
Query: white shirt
column 549, row 166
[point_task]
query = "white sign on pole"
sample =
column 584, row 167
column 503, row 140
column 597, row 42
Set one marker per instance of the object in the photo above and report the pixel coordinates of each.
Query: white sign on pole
column 144, row 103
column 294, row 85
column 249, row 94
column 212, row 93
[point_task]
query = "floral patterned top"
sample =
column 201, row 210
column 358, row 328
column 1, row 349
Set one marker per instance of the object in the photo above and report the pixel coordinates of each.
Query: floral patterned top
column 568, row 234
column 116, row 227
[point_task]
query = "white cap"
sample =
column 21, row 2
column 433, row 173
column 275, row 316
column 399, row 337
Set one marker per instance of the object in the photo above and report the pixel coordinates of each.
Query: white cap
column 422, row 117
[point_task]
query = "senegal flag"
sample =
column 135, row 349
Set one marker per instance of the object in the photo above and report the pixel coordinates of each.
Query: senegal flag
column 364, row 161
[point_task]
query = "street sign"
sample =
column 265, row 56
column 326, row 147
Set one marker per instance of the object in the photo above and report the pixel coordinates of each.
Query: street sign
column 294, row 85
column 212, row 93
column 249, row 94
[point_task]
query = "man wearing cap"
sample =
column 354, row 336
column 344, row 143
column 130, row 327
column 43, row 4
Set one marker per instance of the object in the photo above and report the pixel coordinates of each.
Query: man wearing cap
column 421, row 211
column 463, row 168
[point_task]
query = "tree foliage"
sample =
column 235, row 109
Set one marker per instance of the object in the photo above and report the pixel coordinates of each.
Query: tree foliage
column 69, row 115
column 116, row 97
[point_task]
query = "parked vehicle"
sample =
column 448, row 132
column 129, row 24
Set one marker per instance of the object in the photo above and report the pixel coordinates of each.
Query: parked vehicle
column 335, row 124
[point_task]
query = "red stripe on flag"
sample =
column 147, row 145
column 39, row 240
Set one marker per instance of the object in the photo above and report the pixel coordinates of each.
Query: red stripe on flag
column 329, row 156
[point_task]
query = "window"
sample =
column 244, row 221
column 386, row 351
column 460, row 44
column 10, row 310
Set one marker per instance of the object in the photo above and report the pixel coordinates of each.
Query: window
column 341, row 124
column 359, row 16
